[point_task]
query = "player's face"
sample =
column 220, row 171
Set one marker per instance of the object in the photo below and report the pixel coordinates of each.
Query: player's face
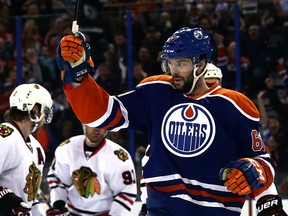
column 182, row 73
column 95, row 135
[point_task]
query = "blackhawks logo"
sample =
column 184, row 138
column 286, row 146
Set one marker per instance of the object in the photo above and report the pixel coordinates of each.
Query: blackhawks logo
column 86, row 182
column 5, row 131
column 33, row 182
column 122, row 155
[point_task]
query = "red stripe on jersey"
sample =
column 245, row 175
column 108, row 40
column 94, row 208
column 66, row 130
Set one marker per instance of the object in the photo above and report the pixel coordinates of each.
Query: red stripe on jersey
column 98, row 148
column 126, row 199
column 194, row 192
column 54, row 181
column 88, row 100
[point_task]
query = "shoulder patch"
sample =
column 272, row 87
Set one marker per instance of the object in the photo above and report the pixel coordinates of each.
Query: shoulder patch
column 122, row 155
column 5, row 130
column 64, row 142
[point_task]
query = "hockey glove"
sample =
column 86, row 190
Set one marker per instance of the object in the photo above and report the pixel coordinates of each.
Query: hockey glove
column 10, row 204
column 73, row 58
column 243, row 176
column 58, row 209
column 270, row 205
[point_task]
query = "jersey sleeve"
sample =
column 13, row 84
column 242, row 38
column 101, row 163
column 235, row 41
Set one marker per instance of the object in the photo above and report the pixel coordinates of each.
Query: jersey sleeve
column 94, row 107
column 244, row 130
column 240, row 119
column 122, row 181
column 5, row 162
column 59, row 177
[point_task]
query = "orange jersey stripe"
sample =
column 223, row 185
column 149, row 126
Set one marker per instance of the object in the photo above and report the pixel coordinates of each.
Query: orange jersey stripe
column 199, row 193
column 126, row 199
column 241, row 100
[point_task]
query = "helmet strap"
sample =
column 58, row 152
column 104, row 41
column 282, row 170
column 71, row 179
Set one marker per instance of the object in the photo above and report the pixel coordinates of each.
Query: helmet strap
column 196, row 77
column 36, row 121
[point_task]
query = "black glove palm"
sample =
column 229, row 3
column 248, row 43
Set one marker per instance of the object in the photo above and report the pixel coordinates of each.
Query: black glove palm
column 58, row 209
column 270, row 205
column 11, row 205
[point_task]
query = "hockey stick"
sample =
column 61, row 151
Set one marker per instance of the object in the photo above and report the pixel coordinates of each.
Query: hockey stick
column 41, row 194
column 75, row 26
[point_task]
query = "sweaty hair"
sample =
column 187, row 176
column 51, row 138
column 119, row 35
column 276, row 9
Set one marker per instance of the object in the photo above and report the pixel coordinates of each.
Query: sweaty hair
column 15, row 115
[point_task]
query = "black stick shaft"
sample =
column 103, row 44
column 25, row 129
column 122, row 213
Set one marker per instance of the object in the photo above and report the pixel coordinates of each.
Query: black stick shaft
column 75, row 26
column 76, row 10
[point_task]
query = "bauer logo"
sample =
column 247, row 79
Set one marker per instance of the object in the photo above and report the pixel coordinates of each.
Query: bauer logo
column 188, row 130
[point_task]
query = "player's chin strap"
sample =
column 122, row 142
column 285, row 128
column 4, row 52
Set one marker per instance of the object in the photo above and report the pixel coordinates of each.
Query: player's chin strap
column 36, row 121
column 196, row 77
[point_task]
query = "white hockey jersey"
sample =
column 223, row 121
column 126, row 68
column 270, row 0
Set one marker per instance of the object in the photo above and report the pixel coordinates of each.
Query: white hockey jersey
column 98, row 184
column 21, row 165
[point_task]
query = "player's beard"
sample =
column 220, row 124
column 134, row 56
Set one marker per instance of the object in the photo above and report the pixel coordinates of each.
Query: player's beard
column 187, row 83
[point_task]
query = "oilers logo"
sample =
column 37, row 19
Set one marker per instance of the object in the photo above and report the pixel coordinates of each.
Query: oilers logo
column 188, row 130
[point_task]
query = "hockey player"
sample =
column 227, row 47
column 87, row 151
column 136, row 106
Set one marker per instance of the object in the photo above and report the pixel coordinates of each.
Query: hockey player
column 91, row 175
column 22, row 157
column 212, row 75
column 195, row 132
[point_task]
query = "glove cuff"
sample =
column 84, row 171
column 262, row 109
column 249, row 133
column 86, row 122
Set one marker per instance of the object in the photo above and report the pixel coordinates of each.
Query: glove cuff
column 270, row 205
column 10, row 202
column 76, row 75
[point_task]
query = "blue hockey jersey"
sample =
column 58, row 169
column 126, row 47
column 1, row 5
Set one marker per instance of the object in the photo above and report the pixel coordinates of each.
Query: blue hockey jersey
column 191, row 138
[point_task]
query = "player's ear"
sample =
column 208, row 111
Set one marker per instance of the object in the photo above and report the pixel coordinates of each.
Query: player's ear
column 201, row 66
column 35, row 111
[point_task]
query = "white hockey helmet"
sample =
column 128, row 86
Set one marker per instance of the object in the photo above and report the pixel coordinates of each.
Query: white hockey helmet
column 26, row 96
column 213, row 72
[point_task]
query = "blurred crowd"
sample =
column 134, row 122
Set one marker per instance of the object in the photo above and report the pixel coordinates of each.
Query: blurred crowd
column 264, row 56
